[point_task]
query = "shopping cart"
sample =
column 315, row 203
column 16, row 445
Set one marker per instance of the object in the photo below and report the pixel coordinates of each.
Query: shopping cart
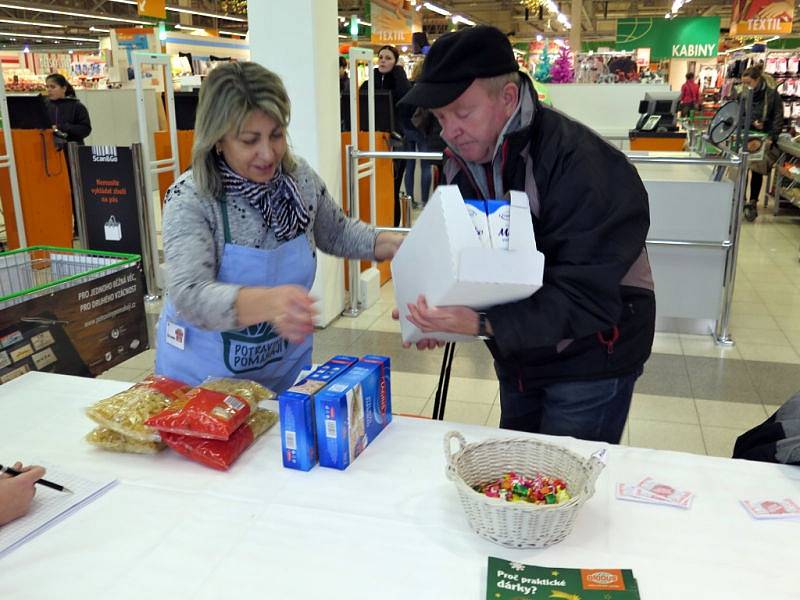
column 73, row 312
column 40, row 270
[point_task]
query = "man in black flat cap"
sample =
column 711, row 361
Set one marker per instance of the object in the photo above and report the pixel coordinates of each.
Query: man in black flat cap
column 567, row 357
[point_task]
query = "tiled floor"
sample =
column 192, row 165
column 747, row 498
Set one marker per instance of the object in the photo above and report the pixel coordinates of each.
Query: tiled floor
column 694, row 396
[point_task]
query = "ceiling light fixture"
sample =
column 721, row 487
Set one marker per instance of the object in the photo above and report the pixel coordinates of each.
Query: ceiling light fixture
column 53, row 11
column 459, row 19
column 39, row 36
column 437, row 9
column 243, row 35
column 99, row 29
column 189, row 28
column 188, row 11
column 34, row 24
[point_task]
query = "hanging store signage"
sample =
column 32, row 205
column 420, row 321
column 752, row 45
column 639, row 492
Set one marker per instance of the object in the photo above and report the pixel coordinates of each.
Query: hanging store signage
column 693, row 37
column 761, row 17
column 393, row 25
column 153, row 8
column 108, row 196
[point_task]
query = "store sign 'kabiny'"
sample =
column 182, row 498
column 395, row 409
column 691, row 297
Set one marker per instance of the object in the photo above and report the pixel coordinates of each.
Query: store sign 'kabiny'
column 683, row 37
column 694, row 50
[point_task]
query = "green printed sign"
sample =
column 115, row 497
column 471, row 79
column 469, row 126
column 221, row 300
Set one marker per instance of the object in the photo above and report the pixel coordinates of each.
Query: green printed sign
column 691, row 37
column 508, row 580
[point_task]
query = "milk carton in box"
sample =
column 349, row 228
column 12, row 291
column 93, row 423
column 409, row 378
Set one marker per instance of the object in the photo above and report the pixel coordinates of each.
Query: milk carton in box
column 352, row 411
column 498, row 216
column 491, row 219
column 296, row 406
column 444, row 259
column 477, row 212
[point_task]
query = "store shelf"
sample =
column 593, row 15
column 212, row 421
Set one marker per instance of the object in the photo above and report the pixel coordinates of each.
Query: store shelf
column 789, row 147
column 793, row 200
column 786, row 191
column 789, row 175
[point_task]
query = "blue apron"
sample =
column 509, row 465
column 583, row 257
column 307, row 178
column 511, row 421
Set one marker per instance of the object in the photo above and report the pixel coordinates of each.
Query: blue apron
column 256, row 352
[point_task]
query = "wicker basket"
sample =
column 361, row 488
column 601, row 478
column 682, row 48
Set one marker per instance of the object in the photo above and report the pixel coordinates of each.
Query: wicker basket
column 519, row 524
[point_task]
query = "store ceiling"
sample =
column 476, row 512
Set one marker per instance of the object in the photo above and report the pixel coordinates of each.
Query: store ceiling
column 40, row 24
column 23, row 22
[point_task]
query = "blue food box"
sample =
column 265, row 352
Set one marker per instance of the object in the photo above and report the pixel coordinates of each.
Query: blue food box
column 296, row 408
column 353, row 410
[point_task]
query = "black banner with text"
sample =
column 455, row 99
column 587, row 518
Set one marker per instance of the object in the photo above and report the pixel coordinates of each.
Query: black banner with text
column 109, row 198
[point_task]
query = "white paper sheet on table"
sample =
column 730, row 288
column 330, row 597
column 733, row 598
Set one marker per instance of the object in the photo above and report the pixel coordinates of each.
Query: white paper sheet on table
column 50, row 506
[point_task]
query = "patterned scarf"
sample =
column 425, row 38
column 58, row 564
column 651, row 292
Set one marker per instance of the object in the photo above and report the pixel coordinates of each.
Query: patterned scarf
column 278, row 200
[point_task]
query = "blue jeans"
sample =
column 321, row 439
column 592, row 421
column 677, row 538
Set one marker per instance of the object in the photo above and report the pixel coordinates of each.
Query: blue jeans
column 414, row 141
column 589, row 410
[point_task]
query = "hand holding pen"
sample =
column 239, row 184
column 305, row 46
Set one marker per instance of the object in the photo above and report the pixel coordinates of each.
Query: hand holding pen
column 16, row 492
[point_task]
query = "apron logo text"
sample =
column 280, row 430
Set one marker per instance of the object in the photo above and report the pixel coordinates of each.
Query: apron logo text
column 252, row 348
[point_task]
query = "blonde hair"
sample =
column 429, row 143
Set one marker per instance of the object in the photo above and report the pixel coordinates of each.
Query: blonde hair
column 494, row 85
column 229, row 94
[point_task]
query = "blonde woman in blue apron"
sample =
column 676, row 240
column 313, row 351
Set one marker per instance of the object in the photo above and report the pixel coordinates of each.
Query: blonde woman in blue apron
column 241, row 229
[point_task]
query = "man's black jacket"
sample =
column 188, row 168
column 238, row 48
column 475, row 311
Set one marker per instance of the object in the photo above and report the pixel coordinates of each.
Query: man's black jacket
column 594, row 317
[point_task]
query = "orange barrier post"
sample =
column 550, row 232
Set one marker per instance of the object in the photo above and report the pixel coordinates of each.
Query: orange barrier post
column 44, row 190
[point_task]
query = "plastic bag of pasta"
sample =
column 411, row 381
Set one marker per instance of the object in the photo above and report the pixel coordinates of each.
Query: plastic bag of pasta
column 127, row 411
column 221, row 454
column 249, row 391
column 213, row 410
column 105, row 438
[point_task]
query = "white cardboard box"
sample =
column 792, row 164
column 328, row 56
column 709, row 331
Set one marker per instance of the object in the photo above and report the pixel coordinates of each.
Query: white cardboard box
column 443, row 259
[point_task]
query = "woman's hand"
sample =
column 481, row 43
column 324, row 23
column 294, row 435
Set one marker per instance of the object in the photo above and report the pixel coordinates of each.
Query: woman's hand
column 288, row 308
column 387, row 244
column 16, row 493
column 292, row 312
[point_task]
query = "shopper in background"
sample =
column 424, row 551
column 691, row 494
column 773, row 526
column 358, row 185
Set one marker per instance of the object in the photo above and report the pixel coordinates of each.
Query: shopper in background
column 567, row 357
column 241, row 231
column 690, row 96
column 390, row 76
column 16, row 493
column 68, row 115
column 415, row 140
column 766, row 117
column 344, row 78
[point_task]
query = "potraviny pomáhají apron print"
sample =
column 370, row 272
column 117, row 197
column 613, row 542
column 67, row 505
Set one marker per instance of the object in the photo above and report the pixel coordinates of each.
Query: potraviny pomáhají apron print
column 190, row 354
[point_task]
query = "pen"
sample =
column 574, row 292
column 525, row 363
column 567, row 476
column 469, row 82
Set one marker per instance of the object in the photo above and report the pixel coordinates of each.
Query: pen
column 44, row 482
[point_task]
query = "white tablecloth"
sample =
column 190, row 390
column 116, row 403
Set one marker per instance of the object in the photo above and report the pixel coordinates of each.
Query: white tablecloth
column 391, row 526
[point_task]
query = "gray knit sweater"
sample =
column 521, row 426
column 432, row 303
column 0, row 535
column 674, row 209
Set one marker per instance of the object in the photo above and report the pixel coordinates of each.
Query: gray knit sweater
column 194, row 239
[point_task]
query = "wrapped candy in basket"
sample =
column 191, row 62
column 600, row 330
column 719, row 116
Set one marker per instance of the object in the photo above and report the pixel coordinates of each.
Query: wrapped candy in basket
column 523, row 524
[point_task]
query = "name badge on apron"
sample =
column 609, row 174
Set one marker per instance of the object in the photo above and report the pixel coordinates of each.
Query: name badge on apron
column 176, row 335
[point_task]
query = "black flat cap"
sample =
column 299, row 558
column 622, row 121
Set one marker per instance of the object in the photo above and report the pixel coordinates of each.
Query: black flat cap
column 457, row 59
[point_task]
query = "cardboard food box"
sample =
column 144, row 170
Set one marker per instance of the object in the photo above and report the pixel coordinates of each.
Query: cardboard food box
column 296, row 408
column 443, row 259
column 352, row 411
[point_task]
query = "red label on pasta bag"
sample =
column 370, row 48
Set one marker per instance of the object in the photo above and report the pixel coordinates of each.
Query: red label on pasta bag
column 217, row 454
column 203, row 413
column 172, row 388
